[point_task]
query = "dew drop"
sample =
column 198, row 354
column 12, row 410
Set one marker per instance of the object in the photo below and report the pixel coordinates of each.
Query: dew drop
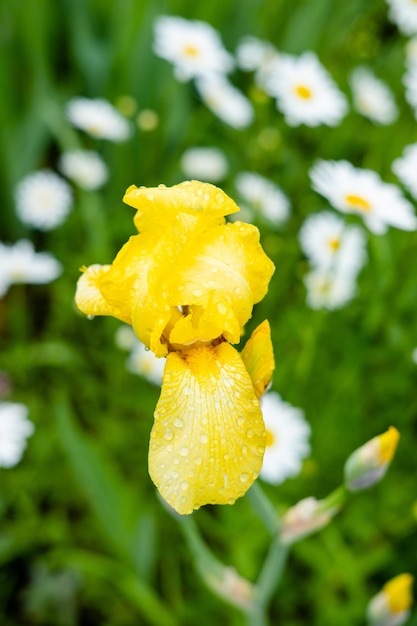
column 198, row 460
column 169, row 435
column 184, row 451
column 90, row 317
column 244, row 449
column 240, row 421
column 184, row 485
column 179, row 423
column 169, row 448
column 204, row 438
column 221, row 308
column 197, row 293
column 176, row 461
column 249, row 433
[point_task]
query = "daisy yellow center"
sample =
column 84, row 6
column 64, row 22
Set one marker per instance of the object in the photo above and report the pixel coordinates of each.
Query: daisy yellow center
column 303, row 92
column 270, row 439
column 334, row 244
column 358, row 203
column 191, row 51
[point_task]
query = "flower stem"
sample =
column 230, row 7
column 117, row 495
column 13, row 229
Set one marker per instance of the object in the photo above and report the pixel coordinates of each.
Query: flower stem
column 264, row 508
column 271, row 571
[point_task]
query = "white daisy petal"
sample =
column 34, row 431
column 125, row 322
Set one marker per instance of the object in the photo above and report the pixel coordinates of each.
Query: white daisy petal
column 225, row 101
column 404, row 14
column 263, row 196
column 287, row 439
column 43, row 200
column 372, row 98
column 19, row 263
column 405, row 167
column 85, row 167
column 205, row 164
column 98, row 118
column 15, row 428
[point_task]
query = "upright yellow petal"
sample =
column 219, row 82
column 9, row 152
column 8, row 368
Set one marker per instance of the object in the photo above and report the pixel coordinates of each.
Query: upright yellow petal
column 208, row 439
column 157, row 207
column 258, row 357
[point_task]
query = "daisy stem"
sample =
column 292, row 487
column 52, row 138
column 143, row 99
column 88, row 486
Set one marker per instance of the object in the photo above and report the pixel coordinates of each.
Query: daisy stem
column 264, row 508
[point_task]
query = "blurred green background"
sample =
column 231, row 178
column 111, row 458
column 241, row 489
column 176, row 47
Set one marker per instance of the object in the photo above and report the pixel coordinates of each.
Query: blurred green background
column 83, row 537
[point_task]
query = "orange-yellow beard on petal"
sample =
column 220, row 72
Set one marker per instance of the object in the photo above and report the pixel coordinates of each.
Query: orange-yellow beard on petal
column 208, row 439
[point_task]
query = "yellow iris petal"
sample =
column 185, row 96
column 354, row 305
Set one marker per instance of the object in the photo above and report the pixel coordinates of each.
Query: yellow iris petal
column 208, row 439
column 158, row 207
column 226, row 271
column 88, row 296
column 258, row 357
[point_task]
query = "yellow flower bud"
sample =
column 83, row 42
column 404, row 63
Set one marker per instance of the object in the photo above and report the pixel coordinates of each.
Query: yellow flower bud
column 369, row 463
column 391, row 606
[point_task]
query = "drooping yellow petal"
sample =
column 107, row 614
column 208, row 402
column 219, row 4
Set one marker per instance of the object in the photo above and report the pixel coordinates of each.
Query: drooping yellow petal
column 208, row 439
column 157, row 207
column 88, row 296
column 258, row 357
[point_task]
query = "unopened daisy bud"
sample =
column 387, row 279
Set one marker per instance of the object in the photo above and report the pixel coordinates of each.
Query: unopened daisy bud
column 228, row 584
column 369, row 463
column 391, row 606
column 305, row 518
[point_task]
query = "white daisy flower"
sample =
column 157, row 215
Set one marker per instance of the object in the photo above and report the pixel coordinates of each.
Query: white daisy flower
column 98, row 118
column 206, row 164
column 327, row 241
column 287, row 439
column 43, row 200
column 193, row 47
column 372, row 97
column 15, row 428
column 361, row 191
column 141, row 361
column 19, row 263
column 225, row 101
column 305, row 92
column 405, row 167
column 329, row 288
column 391, row 606
column 85, row 168
column 253, row 53
column 404, row 14
column 263, row 196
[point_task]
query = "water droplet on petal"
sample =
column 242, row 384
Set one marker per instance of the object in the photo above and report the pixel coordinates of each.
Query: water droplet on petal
column 204, row 438
column 179, row 423
column 249, row 433
column 184, row 451
column 169, row 435
column 184, row 485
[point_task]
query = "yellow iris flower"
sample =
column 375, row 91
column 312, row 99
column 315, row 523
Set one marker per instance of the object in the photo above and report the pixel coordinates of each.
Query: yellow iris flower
column 187, row 284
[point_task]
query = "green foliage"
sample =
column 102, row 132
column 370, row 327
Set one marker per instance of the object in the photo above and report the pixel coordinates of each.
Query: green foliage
column 83, row 537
